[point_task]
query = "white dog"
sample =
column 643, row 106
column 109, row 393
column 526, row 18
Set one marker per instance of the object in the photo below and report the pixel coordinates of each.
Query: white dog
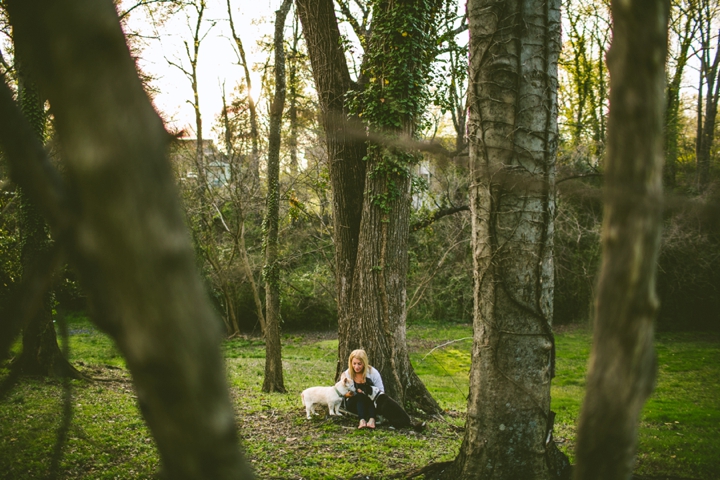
column 330, row 396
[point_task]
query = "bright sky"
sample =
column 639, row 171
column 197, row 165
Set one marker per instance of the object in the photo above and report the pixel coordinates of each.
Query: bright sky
column 217, row 62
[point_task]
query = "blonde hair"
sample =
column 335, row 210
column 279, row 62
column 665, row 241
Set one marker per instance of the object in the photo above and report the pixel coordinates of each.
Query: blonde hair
column 360, row 354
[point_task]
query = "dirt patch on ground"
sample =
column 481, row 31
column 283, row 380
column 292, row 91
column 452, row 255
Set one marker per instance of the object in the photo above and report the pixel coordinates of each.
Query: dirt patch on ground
column 104, row 373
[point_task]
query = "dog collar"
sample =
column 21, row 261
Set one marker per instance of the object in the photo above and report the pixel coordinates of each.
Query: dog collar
column 336, row 391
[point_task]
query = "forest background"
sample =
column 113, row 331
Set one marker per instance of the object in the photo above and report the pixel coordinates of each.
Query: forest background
column 229, row 242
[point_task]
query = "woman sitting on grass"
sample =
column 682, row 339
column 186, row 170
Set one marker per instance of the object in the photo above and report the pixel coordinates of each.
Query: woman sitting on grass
column 364, row 376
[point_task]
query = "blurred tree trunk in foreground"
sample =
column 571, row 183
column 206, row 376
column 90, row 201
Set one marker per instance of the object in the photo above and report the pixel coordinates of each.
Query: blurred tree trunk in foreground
column 119, row 217
column 622, row 368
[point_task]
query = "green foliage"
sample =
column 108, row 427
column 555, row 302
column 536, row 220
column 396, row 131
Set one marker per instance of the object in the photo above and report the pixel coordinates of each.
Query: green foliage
column 689, row 265
column 394, row 94
column 450, row 70
column 397, row 64
column 309, row 299
column 10, row 268
column 440, row 277
column 68, row 292
column 583, row 88
column 390, row 165
column 233, row 220
column 440, row 260
column 688, row 271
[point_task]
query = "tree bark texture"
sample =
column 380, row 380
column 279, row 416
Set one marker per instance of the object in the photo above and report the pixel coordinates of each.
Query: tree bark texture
column 392, row 103
column 512, row 129
column 377, row 319
column 124, row 230
column 345, row 148
column 273, row 381
column 622, row 367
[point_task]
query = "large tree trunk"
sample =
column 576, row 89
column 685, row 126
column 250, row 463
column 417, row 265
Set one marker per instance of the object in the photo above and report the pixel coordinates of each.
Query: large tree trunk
column 345, row 148
column 622, row 362
column 378, row 303
column 397, row 61
column 273, row 381
column 122, row 224
column 371, row 240
column 514, row 48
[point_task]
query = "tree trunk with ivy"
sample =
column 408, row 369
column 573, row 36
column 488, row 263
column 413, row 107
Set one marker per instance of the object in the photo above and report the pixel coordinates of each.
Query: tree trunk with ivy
column 622, row 368
column 514, row 49
column 273, row 381
column 372, row 199
column 41, row 354
column 397, row 63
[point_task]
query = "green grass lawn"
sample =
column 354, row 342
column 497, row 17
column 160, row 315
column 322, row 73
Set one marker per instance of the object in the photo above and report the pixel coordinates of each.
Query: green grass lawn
column 679, row 432
column 680, row 425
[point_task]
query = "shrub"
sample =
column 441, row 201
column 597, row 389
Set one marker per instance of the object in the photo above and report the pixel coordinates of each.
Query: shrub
column 576, row 250
column 688, row 280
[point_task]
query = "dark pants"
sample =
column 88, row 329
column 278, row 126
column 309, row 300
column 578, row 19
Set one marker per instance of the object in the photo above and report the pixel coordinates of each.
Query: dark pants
column 362, row 405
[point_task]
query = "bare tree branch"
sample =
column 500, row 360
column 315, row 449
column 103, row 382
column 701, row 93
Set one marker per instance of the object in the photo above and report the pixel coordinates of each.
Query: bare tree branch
column 437, row 215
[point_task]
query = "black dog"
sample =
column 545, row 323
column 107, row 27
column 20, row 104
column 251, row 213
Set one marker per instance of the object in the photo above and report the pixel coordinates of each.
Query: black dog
column 391, row 410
